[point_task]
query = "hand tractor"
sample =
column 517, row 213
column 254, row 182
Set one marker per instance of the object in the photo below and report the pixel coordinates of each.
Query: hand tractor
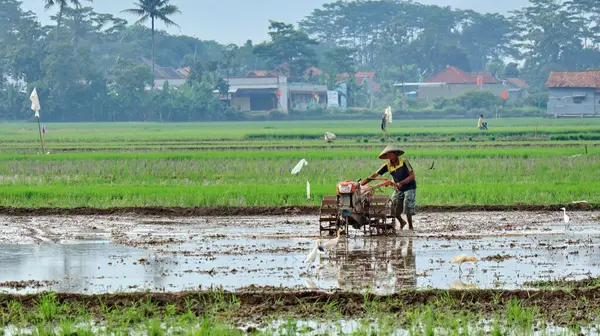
column 358, row 206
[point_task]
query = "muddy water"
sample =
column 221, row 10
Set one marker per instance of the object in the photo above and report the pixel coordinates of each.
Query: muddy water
column 91, row 254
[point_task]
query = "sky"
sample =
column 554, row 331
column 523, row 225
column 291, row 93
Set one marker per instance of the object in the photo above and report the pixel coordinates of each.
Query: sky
column 235, row 21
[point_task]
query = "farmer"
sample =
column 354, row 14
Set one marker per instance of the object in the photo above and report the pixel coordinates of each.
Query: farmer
column 404, row 180
column 481, row 124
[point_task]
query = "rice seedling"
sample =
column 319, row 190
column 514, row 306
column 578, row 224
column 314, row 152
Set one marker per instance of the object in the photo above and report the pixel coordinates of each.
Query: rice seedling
column 168, row 173
column 266, row 181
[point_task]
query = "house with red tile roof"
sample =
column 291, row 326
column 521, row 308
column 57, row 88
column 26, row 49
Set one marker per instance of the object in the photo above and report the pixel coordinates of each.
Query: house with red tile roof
column 453, row 81
column 573, row 93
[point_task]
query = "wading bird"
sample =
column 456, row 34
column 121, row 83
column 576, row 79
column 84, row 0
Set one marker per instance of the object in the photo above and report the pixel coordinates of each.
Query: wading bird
column 566, row 218
column 333, row 242
column 461, row 259
column 315, row 253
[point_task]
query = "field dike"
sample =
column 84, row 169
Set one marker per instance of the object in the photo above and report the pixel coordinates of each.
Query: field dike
column 257, row 303
column 266, row 210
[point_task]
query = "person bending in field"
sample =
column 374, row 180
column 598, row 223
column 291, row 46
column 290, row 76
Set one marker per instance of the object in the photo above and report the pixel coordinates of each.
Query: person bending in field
column 481, row 124
column 404, row 198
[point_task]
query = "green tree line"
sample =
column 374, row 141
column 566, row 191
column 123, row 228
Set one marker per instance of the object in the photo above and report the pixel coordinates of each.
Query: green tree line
column 91, row 66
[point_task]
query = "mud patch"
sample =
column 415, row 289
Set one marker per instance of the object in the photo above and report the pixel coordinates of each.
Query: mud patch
column 27, row 284
column 267, row 210
column 498, row 257
column 591, row 282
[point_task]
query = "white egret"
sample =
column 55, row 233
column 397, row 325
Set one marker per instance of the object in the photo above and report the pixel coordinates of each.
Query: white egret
column 566, row 218
column 307, row 190
column 316, row 252
column 333, row 242
column 299, row 166
column 461, row 259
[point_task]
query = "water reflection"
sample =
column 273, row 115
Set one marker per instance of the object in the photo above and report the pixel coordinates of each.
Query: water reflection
column 383, row 265
column 457, row 284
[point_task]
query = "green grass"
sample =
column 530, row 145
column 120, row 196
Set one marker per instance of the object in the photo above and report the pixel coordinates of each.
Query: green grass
column 102, row 171
column 216, row 314
column 263, row 178
column 238, row 130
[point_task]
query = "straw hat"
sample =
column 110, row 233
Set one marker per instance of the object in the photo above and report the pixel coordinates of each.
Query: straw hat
column 390, row 149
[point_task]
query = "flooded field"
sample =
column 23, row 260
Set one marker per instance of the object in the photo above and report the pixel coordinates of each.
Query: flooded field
column 108, row 254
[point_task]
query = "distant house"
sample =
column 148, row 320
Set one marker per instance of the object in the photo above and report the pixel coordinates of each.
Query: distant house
column 453, row 81
column 258, row 73
column 254, row 93
column 517, row 88
column 174, row 77
column 305, row 95
column 573, row 94
column 257, row 93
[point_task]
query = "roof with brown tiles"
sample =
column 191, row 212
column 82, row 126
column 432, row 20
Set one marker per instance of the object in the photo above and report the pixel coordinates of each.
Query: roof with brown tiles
column 567, row 79
column 454, row 75
column 518, row 82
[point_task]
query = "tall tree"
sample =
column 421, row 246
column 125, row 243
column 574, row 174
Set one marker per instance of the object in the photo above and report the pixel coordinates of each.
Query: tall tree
column 486, row 37
column 154, row 9
column 590, row 10
column 62, row 4
column 338, row 61
column 547, row 29
column 289, row 49
column 549, row 33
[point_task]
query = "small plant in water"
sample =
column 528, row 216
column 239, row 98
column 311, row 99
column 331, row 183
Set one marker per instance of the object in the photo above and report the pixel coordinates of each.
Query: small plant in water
column 518, row 316
column 154, row 328
column 48, row 307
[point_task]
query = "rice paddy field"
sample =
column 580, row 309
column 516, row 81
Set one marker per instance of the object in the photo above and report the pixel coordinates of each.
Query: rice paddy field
column 249, row 164
column 201, row 229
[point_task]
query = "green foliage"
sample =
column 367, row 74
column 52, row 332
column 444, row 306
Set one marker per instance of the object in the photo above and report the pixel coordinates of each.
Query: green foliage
column 475, row 99
column 289, row 49
column 79, row 64
column 338, row 61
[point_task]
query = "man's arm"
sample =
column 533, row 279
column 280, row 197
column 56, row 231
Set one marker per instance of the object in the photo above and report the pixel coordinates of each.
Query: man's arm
column 379, row 172
column 411, row 176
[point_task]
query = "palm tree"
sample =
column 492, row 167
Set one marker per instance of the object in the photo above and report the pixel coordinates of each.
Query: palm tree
column 62, row 4
column 154, row 9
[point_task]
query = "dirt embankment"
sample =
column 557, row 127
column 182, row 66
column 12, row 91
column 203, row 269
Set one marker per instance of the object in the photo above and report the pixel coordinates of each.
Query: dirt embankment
column 253, row 305
column 266, row 210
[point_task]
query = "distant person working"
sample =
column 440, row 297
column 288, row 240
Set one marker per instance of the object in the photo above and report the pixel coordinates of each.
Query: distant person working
column 481, row 124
